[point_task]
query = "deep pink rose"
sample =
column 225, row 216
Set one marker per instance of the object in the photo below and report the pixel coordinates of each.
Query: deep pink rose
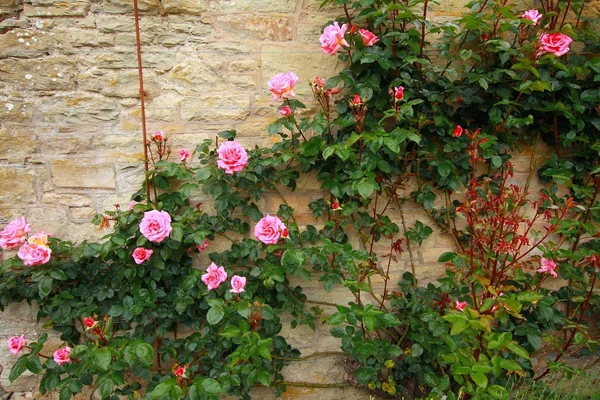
column 356, row 100
column 399, row 93
column 555, row 43
column 89, row 322
column 548, row 266
column 184, row 155
column 286, row 111
column 232, row 157
column 282, row 85
column 460, row 305
column 458, row 131
column 13, row 235
column 156, row 225
column 179, row 372
column 203, row 246
column 16, row 344
column 369, row 38
column 158, row 136
column 34, row 254
column 131, row 204
column 214, row 276
column 141, row 254
column 532, row 15
column 61, row 356
column 332, row 38
column 238, row 283
column 268, row 229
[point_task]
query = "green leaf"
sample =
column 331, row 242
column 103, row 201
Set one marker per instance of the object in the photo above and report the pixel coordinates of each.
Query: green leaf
column 215, row 315
column 102, row 359
column 265, row 352
column 230, row 331
column 45, row 286
column 211, row 386
column 161, row 389
column 518, row 350
column 337, row 318
column 447, row 256
column 458, row 327
column 416, row 350
column 480, row 379
column 17, row 369
column 498, row 392
column 106, row 387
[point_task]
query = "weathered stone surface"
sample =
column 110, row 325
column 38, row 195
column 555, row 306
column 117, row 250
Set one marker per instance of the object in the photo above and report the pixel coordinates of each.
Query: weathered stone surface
column 215, row 107
column 16, row 185
column 24, row 43
column 78, row 107
column 252, row 26
column 115, row 23
column 194, row 7
column 128, row 59
column 69, row 174
column 244, row 66
column 16, row 147
column 280, row 6
column 68, row 38
column 310, row 27
column 47, row 74
column 121, row 84
column 195, row 77
column 57, row 8
column 73, row 200
column 126, row 7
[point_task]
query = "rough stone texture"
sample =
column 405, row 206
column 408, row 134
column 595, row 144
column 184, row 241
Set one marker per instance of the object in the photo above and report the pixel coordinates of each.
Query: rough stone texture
column 71, row 141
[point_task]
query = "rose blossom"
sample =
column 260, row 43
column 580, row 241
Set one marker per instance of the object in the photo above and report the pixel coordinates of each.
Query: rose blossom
column 141, row 254
column 214, row 276
column 34, row 254
column 555, row 43
column 532, row 15
column 13, row 235
column 232, row 157
column 460, row 305
column 335, row 206
column 282, row 85
column 286, row 111
column 369, row 38
column 268, row 229
column 156, row 225
column 158, row 136
column 179, row 372
column 332, row 38
column 183, row 155
column 238, row 283
column 458, row 131
column 16, row 344
column 548, row 266
column 399, row 93
column 203, row 246
column 89, row 322
column 285, row 233
column 61, row 356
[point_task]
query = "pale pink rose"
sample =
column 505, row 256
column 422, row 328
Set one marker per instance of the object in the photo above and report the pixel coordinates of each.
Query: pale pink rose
column 214, row 276
column 238, row 283
column 158, row 136
column 61, row 356
column 532, row 15
column 89, row 322
column 16, row 344
column 555, row 43
column 286, row 111
column 268, row 229
column 156, row 225
column 141, row 254
column 232, row 157
column 332, row 38
column 34, row 254
column 399, row 93
column 40, row 238
column 13, row 235
column 369, row 38
column 460, row 305
column 131, row 204
column 203, row 246
column 458, row 131
column 282, row 85
column 548, row 266
column 183, row 155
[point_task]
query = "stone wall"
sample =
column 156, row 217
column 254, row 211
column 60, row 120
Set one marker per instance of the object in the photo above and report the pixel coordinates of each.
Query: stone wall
column 70, row 132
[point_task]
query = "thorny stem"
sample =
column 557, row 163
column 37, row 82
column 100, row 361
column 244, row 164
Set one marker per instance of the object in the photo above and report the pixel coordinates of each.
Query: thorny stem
column 422, row 44
column 313, row 355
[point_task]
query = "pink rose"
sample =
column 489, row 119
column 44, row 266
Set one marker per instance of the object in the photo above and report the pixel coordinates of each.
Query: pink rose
column 399, row 93
column 141, row 254
column 183, row 155
column 555, row 43
column 40, row 238
column 13, row 235
column 156, row 225
column 232, row 157
column 458, row 131
column 158, row 136
column 16, row 344
column 131, row 204
column 532, row 15
column 268, row 229
column 89, row 322
column 61, row 356
column 460, row 305
column 34, row 254
column 179, row 372
column 286, row 111
column 214, row 276
column 282, row 85
column 369, row 38
column 356, row 100
column 548, row 266
column 203, row 246
column 238, row 283
column 332, row 38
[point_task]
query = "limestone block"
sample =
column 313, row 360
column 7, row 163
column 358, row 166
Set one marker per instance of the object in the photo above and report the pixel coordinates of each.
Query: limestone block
column 195, row 77
column 54, row 73
column 280, row 6
column 16, row 185
column 126, row 7
column 16, row 147
column 310, row 27
column 119, row 59
column 115, row 23
column 194, row 7
column 78, row 107
column 215, row 107
column 25, row 43
column 244, row 66
column 258, row 27
column 70, row 174
column 57, row 8
column 122, row 84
